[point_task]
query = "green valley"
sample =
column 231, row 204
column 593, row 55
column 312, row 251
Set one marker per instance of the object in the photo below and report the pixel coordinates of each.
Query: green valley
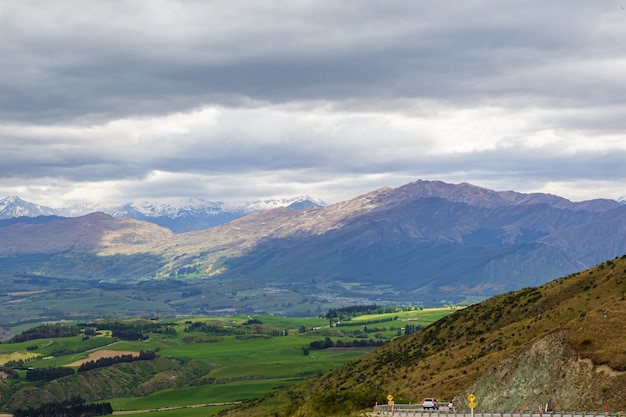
column 219, row 360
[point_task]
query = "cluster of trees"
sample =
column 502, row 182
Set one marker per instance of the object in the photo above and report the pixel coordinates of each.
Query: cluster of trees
column 165, row 330
column 123, row 331
column 412, row 328
column 374, row 329
column 322, row 344
column 356, row 310
column 129, row 333
column 108, row 361
column 328, row 343
column 212, row 329
column 48, row 374
column 359, row 343
column 135, row 331
column 73, row 407
column 47, row 331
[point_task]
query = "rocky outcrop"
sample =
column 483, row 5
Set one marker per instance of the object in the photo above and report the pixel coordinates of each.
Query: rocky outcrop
column 549, row 373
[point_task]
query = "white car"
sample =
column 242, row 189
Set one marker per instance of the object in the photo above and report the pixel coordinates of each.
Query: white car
column 430, row 404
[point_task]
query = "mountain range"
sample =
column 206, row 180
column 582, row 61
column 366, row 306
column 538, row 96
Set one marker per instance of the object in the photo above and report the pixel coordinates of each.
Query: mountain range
column 427, row 241
column 179, row 216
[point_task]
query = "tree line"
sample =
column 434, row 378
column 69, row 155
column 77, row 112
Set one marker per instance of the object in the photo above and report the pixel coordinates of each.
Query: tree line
column 129, row 331
column 74, row 407
column 351, row 311
column 108, row 361
column 47, row 331
column 328, row 343
column 202, row 327
column 48, row 374
column 124, row 331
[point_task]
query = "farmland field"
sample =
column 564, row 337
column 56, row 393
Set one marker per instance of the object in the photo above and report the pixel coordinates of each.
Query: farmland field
column 203, row 364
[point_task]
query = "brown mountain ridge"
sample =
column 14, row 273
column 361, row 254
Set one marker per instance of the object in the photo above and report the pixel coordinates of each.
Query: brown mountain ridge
column 427, row 241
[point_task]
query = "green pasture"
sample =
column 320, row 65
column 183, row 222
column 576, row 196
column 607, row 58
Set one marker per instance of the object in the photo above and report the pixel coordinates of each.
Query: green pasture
column 202, row 411
column 241, row 366
column 272, row 357
column 58, row 351
column 200, row 395
column 426, row 316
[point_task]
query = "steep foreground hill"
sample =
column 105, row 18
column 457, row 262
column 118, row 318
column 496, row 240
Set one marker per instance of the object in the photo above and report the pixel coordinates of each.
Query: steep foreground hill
column 561, row 344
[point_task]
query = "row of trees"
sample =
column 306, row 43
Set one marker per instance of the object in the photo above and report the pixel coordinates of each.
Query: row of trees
column 359, row 343
column 328, row 343
column 74, row 407
column 48, row 374
column 108, row 361
column 356, row 310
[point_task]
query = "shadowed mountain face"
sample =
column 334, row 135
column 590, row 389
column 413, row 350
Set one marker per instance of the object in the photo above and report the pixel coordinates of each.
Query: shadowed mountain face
column 425, row 240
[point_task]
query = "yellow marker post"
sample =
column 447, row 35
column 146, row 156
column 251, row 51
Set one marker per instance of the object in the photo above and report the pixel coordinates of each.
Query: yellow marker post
column 471, row 398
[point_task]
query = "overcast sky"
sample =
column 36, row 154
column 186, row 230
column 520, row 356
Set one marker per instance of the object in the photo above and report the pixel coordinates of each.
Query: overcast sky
column 118, row 101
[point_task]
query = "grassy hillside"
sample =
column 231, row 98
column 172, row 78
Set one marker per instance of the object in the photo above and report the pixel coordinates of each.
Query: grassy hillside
column 560, row 344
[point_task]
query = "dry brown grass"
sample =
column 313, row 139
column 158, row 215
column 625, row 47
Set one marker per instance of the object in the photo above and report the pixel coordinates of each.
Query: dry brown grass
column 94, row 356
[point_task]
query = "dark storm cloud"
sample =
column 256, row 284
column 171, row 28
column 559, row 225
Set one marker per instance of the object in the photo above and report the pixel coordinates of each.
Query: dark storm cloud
column 78, row 59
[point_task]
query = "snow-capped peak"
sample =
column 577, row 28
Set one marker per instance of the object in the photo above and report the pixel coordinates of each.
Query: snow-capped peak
column 171, row 209
column 178, row 215
column 279, row 202
column 13, row 206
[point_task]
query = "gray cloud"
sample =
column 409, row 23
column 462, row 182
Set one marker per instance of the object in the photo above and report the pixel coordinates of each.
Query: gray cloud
column 242, row 99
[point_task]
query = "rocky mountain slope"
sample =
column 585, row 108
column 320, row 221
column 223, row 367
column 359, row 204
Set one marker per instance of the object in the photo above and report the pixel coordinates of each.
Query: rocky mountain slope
column 559, row 345
column 426, row 240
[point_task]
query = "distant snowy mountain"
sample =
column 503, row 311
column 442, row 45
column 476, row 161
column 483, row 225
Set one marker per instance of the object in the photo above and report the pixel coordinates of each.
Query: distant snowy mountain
column 298, row 203
column 13, row 206
column 179, row 216
column 622, row 200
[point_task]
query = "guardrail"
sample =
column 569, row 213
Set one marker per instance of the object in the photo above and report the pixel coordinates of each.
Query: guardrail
column 417, row 410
